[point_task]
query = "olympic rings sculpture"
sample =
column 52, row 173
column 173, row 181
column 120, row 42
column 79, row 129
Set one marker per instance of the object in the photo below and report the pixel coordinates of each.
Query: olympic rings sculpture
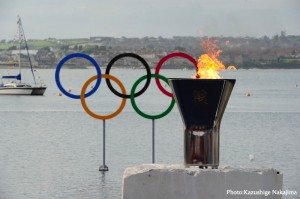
column 122, row 95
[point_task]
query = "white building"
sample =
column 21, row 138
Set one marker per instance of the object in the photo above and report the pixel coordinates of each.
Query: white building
column 24, row 52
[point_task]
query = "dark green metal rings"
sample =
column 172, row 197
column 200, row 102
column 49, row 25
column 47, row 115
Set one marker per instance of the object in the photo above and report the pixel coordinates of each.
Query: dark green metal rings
column 135, row 106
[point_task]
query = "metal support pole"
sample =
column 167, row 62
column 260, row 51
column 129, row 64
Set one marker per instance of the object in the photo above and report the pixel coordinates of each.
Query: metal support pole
column 103, row 167
column 153, row 141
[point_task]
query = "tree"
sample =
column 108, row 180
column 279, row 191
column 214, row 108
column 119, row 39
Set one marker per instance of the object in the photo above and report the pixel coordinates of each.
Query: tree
column 90, row 49
column 283, row 34
column 64, row 47
column 12, row 48
column 102, row 48
column 44, row 51
column 179, row 48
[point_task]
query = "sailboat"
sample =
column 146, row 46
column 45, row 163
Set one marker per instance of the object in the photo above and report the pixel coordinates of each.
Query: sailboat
column 15, row 86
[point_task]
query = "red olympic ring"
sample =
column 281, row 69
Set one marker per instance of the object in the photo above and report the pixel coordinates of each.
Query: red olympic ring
column 160, row 63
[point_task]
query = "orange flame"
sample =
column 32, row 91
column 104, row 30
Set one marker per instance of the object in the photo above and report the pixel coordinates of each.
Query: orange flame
column 231, row 68
column 208, row 64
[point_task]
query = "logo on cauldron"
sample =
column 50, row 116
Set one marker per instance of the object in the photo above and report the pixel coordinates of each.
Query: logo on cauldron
column 200, row 97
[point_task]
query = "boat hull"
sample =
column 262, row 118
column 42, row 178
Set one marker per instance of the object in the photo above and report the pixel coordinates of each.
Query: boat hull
column 23, row 91
column 38, row 90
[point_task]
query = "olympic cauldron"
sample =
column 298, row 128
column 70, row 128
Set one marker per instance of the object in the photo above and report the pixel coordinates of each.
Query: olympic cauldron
column 201, row 103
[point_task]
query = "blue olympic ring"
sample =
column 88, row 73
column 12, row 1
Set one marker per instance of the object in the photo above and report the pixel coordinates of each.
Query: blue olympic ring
column 79, row 55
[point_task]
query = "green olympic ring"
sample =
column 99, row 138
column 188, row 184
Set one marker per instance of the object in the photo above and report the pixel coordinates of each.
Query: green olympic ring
column 135, row 106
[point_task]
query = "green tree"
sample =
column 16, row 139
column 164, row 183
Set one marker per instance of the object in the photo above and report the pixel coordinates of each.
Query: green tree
column 12, row 48
column 90, row 49
column 64, row 47
column 102, row 48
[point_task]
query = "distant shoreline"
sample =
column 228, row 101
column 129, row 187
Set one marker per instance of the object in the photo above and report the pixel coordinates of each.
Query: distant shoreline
column 136, row 68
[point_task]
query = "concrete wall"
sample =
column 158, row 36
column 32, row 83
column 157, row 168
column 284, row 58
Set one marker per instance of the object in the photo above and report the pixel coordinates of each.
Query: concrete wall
column 177, row 182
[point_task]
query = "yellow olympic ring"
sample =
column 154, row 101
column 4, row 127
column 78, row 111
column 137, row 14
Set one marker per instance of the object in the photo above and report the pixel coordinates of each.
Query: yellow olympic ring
column 94, row 115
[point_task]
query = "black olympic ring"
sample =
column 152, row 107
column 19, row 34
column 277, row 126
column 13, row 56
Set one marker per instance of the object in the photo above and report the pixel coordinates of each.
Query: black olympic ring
column 110, row 64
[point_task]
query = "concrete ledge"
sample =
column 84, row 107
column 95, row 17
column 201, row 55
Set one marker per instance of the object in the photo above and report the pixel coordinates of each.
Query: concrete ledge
column 155, row 181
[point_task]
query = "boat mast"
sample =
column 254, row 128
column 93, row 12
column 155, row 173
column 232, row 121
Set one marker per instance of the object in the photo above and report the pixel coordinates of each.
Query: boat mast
column 22, row 34
column 20, row 41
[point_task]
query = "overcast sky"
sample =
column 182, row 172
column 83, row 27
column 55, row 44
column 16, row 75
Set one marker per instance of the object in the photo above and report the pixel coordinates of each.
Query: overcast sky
column 139, row 18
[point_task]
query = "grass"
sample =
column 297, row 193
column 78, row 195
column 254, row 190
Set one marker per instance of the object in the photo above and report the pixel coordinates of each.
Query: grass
column 71, row 42
column 32, row 44
column 38, row 44
column 290, row 60
column 4, row 46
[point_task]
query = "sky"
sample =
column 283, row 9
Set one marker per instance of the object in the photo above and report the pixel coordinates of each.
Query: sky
column 149, row 18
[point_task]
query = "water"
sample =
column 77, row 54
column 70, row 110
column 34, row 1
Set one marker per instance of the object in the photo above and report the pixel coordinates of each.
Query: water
column 50, row 148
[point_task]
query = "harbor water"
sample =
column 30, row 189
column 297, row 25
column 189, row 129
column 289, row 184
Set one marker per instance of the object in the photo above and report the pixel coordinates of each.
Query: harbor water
column 51, row 148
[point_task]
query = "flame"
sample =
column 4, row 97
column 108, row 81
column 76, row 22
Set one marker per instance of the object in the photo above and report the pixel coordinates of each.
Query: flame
column 208, row 64
column 231, row 68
